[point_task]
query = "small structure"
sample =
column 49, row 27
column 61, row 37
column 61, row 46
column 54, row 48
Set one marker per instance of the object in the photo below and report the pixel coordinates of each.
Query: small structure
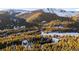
column 25, row 43
column 55, row 40
column 43, row 22
column 19, row 27
column 18, row 33
column 16, row 27
column 22, row 27
column 59, row 26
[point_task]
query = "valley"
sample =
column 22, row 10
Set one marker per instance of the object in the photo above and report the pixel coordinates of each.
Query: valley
column 20, row 30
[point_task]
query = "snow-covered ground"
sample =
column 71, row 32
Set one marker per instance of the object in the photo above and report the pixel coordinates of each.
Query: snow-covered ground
column 61, row 12
column 60, row 34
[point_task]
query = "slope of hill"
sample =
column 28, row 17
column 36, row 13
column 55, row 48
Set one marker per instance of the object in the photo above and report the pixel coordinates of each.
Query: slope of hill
column 40, row 15
column 61, row 12
column 15, row 17
column 9, row 21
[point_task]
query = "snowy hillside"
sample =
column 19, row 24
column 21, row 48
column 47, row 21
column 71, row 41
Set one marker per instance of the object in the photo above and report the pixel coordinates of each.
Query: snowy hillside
column 61, row 12
column 57, row 11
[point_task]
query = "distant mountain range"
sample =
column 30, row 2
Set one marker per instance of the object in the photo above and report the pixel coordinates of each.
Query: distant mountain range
column 47, row 14
column 59, row 12
column 18, row 17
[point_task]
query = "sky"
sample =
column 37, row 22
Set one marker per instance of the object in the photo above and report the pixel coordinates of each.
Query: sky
column 70, row 5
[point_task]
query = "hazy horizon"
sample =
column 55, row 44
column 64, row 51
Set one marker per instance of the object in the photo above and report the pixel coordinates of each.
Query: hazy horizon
column 31, row 9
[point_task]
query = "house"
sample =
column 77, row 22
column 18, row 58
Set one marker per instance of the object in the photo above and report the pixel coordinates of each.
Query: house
column 55, row 40
column 22, row 27
column 43, row 22
column 19, row 27
column 59, row 26
column 16, row 27
column 25, row 43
